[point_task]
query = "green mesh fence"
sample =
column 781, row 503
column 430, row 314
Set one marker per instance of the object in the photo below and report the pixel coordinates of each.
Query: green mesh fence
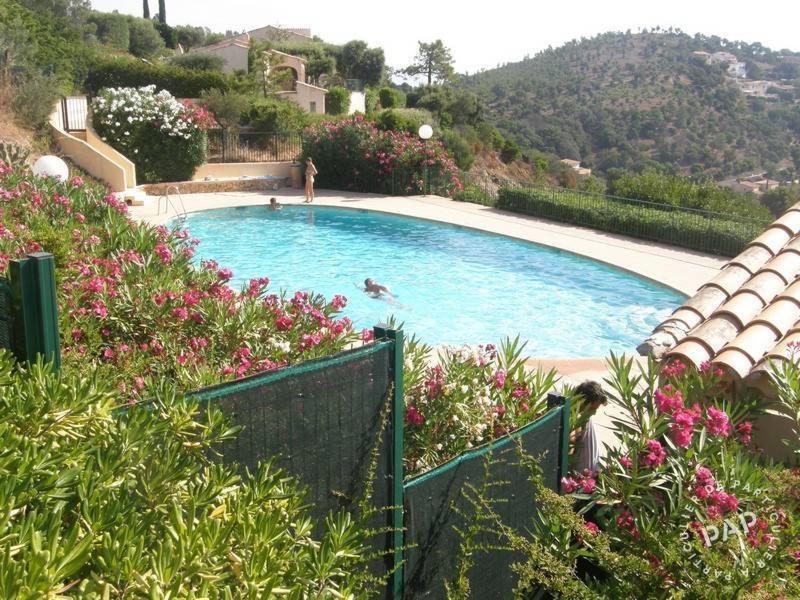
column 320, row 420
column 6, row 323
column 435, row 508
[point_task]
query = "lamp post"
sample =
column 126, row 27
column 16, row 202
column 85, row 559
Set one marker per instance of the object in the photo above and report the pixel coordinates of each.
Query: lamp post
column 425, row 133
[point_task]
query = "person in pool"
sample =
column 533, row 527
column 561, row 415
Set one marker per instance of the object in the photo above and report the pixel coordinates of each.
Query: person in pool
column 273, row 204
column 375, row 289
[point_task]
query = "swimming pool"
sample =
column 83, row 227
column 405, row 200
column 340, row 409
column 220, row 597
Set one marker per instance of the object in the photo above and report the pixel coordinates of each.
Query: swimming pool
column 453, row 285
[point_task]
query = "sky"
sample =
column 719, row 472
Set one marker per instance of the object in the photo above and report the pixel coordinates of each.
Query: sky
column 500, row 32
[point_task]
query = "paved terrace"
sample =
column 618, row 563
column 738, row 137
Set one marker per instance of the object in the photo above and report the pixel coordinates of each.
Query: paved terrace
column 682, row 270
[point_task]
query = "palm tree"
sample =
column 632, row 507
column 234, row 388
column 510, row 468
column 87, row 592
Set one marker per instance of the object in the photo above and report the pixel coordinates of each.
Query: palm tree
column 145, row 9
column 162, row 11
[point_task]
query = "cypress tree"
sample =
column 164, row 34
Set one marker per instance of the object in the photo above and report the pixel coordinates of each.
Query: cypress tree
column 162, row 11
column 145, row 9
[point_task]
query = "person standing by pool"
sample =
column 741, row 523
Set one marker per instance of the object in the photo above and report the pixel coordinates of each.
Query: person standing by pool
column 311, row 172
column 590, row 450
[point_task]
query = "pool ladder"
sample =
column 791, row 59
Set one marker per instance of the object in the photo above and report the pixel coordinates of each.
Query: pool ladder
column 168, row 203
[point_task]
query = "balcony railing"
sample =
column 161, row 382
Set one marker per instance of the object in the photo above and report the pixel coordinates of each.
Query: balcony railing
column 228, row 146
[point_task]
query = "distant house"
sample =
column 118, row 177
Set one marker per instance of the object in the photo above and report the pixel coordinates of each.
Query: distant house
column 234, row 52
column 575, row 165
column 309, row 97
column 723, row 57
column 738, row 70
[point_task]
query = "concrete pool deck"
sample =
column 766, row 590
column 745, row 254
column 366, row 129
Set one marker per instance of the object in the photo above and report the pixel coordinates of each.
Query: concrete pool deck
column 682, row 270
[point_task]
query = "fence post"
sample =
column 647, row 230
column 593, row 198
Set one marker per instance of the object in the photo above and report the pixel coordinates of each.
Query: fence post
column 34, row 308
column 397, row 415
column 554, row 400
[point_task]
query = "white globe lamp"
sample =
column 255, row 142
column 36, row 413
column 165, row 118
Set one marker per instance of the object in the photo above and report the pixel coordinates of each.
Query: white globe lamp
column 425, row 132
column 51, row 166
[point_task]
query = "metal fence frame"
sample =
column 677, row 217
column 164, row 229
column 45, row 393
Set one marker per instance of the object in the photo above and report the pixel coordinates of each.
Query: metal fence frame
column 245, row 146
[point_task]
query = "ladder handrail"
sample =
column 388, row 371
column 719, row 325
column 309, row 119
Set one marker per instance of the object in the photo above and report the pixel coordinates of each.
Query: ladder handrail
column 168, row 202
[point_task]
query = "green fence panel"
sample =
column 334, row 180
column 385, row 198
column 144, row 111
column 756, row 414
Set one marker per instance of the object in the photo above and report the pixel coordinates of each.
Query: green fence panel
column 6, row 316
column 433, row 501
column 30, row 309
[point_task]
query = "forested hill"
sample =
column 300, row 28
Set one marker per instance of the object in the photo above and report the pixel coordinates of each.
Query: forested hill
column 625, row 100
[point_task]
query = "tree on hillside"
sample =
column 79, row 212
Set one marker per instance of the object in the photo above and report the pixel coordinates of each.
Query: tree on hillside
column 145, row 9
column 162, row 11
column 432, row 60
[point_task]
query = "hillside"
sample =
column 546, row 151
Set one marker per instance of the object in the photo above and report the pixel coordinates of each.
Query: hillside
column 626, row 100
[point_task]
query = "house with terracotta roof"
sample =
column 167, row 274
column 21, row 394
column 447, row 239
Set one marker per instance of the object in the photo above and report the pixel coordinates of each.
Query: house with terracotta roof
column 743, row 320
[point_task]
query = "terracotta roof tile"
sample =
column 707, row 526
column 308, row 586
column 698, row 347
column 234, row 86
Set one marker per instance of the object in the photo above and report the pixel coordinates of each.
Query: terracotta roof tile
column 731, row 278
column 748, row 314
column 786, row 264
column 743, row 306
column 752, row 258
column 766, row 284
column 707, row 300
column 691, row 351
column 790, row 221
column 755, row 341
column 773, row 239
column 735, row 361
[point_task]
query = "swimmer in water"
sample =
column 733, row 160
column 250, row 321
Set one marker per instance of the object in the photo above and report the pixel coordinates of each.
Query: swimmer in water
column 273, row 204
column 376, row 290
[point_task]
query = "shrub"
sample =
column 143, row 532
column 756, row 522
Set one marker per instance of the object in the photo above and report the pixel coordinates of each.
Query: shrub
column 112, row 29
column 199, row 61
column 164, row 138
column 682, row 504
column 471, row 396
column 779, row 200
column 144, row 37
column 274, row 114
column 226, row 106
column 403, row 119
column 353, row 154
column 114, row 494
column 510, row 152
column 125, row 72
column 337, row 101
column 717, row 235
column 134, row 307
column 34, row 99
column 389, row 97
column 459, row 148
column 676, row 190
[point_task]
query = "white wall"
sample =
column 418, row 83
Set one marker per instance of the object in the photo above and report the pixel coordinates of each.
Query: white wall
column 358, row 103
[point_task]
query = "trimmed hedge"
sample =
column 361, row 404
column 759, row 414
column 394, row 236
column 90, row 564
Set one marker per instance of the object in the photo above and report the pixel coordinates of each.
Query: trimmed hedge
column 180, row 82
column 707, row 232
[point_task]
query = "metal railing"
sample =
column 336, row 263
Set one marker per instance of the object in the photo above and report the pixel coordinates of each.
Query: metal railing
column 230, row 146
column 715, row 232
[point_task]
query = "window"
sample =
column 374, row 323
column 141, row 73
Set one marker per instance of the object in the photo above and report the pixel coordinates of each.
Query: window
column 312, row 107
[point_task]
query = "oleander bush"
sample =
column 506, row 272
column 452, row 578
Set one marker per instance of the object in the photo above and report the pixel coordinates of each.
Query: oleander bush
column 471, row 396
column 120, row 72
column 684, row 506
column 133, row 306
column 353, row 154
column 164, row 138
column 708, row 233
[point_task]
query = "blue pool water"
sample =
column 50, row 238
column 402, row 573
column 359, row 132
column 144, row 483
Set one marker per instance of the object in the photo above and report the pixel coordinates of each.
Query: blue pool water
column 453, row 285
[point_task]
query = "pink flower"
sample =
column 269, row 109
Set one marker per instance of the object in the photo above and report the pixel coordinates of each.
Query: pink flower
column 224, row 275
column 717, row 422
column 682, row 427
column 625, row 462
column 654, row 455
column 568, row 485
column 76, row 182
column 283, row 323
column 674, row 369
column 181, row 313
column 339, row 302
column 163, row 252
column 587, row 485
column 499, row 379
column 668, row 399
column 744, row 429
column 591, row 527
column 413, row 416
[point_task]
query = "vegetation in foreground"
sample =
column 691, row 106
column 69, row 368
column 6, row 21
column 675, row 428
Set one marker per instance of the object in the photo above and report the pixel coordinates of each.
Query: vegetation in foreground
column 686, row 507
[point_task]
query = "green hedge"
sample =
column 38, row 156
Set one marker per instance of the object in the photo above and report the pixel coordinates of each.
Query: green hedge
column 182, row 83
column 706, row 232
